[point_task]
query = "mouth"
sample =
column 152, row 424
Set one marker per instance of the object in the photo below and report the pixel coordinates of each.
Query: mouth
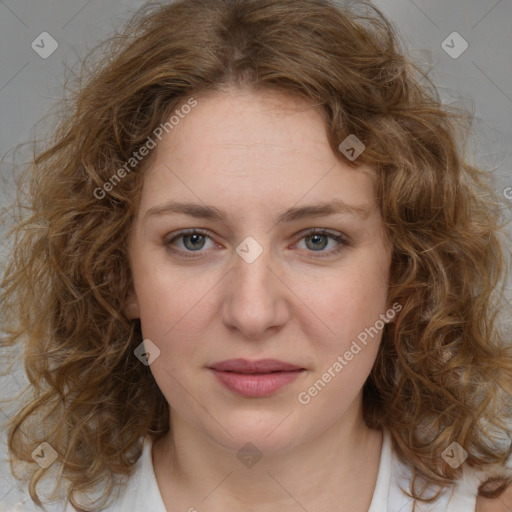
column 255, row 378
column 247, row 366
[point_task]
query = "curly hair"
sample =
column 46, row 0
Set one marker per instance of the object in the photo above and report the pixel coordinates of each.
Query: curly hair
column 443, row 371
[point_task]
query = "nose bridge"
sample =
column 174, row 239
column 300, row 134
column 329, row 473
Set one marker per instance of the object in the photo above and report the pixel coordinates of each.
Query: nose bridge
column 251, row 270
column 252, row 299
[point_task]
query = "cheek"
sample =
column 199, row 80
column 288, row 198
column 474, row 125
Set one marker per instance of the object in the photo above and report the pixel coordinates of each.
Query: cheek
column 346, row 302
column 175, row 312
column 173, row 317
column 165, row 294
column 353, row 308
column 169, row 318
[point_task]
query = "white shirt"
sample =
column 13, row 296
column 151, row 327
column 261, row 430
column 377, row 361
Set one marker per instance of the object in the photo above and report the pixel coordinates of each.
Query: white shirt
column 143, row 495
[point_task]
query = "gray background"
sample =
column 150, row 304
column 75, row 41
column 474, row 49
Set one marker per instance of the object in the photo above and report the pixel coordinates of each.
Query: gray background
column 480, row 79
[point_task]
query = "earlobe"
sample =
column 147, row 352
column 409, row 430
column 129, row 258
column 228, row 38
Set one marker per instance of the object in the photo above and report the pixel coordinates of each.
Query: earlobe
column 131, row 308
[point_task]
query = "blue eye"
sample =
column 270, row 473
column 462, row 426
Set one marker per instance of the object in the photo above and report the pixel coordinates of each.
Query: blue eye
column 320, row 239
column 193, row 241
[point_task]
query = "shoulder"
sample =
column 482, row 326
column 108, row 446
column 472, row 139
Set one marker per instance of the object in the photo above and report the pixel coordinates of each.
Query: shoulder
column 130, row 493
column 460, row 496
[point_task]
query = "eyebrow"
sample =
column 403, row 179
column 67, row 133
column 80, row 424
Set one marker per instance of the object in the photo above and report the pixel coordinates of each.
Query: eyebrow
column 202, row 211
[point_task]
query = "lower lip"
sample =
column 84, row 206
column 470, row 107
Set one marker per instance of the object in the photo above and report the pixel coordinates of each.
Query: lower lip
column 256, row 385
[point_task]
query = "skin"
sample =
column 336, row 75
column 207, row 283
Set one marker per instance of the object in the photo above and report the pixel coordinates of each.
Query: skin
column 502, row 503
column 255, row 155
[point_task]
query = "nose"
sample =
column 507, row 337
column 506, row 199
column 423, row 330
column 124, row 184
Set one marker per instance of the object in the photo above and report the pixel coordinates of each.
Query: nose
column 255, row 299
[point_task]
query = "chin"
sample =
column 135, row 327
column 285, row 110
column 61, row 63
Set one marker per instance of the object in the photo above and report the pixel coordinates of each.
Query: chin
column 259, row 442
column 271, row 433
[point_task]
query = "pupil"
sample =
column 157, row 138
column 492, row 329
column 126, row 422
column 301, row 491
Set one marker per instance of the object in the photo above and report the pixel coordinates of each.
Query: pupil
column 315, row 239
column 196, row 239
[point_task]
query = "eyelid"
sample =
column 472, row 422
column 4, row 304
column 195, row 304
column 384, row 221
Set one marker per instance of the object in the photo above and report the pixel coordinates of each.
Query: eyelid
column 183, row 232
column 323, row 231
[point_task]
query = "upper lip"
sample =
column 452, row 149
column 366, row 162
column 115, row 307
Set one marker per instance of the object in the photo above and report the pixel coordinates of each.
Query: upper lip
column 255, row 366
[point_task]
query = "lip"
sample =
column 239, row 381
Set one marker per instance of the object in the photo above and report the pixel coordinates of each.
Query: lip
column 255, row 378
column 254, row 366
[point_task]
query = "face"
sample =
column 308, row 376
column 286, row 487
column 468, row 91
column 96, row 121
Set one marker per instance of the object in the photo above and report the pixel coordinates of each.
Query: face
column 254, row 266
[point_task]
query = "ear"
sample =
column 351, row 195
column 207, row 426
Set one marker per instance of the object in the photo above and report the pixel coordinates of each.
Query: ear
column 131, row 307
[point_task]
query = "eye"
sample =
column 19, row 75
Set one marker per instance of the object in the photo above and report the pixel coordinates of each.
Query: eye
column 192, row 241
column 317, row 240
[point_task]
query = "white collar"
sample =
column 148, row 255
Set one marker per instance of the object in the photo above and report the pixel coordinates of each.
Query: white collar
column 144, row 494
column 149, row 493
column 381, row 493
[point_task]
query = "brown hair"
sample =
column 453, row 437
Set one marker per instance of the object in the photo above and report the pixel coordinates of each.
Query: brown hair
column 443, row 369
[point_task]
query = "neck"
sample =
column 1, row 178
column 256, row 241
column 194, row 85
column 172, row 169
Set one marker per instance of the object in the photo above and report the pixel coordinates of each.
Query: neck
column 336, row 469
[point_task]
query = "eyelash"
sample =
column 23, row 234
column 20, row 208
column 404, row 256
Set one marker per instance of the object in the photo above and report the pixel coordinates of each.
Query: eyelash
column 342, row 241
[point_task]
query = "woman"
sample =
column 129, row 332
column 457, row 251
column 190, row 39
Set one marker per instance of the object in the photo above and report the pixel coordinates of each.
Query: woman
column 260, row 275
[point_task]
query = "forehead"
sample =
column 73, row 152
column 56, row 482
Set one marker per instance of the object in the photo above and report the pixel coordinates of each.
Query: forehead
column 255, row 145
